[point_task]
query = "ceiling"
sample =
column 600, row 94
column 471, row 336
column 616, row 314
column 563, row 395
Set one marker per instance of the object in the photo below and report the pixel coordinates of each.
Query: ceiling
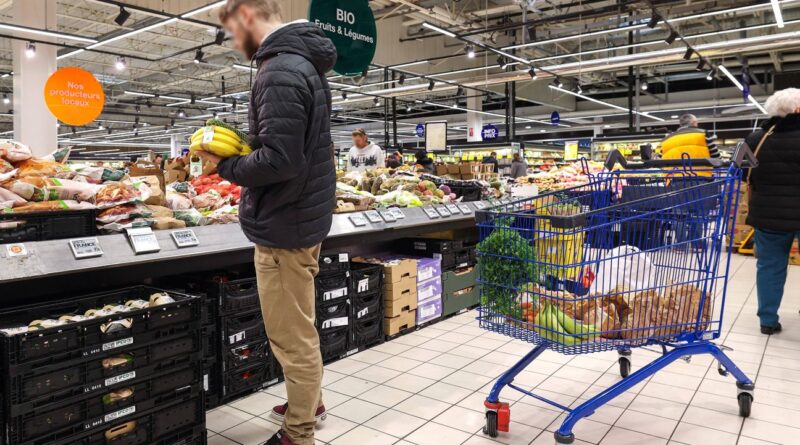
column 604, row 48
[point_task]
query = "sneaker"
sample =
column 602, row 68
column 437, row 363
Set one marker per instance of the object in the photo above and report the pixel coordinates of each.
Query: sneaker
column 279, row 412
column 279, row 438
column 766, row 330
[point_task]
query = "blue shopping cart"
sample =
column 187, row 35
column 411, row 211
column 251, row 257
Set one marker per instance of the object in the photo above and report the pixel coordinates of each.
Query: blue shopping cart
column 633, row 258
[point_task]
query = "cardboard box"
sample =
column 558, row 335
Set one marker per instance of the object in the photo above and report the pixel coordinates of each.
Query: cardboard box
column 395, row 268
column 428, row 268
column 441, row 169
column 398, row 289
column 157, row 191
column 404, row 302
column 430, row 310
column 453, row 169
column 400, row 323
column 429, row 290
column 176, row 171
column 740, row 232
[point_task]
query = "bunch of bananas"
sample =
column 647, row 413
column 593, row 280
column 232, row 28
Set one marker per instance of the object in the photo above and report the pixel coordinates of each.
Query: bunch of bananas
column 220, row 140
column 553, row 324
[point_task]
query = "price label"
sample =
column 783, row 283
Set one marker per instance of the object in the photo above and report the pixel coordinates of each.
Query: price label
column 431, row 212
column 373, row 216
column 443, row 211
column 185, row 238
column 397, row 213
column 358, row 220
column 16, row 250
column 143, row 240
column 85, row 248
column 480, row 205
column 464, row 209
column 453, row 209
column 388, row 216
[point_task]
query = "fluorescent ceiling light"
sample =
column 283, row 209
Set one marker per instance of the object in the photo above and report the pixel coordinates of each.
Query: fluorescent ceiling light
column 41, row 32
column 132, row 33
column 600, row 102
column 203, row 9
column 70, row 54
column 731, row 77
column 438, row 29
column 776, row 8
column 755, row 102
column 239, row 66
column 406, row 65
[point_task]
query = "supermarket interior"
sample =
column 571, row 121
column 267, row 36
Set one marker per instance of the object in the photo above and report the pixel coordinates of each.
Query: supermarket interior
column 410, row 222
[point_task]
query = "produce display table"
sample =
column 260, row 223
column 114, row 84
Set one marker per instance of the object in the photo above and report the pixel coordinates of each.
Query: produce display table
column 49, row 268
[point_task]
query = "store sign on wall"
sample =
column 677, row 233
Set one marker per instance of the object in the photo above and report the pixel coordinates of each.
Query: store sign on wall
column 350, row 24
column 490, row 132
column 555, row 118
column 420, row 131
column 74, row 96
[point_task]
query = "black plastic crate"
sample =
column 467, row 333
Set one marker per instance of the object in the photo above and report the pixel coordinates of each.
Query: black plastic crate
column 333, row 315
column 428, row 247
column 456, row 259
column 95, row 412
column 468, row 193
column 211, row 342
column 26, row 391
column 235, row 296
column 368, row 331
column 365, row 305
column 242, row 356
column 212, row 384
column 366, row 278
column 334, row 263
column 240, row 329
column 75, row 342
column 245, row 380
column 179, row 423
column 332, row 287
column 42, row 226
column 209, row 312
column 334, row 343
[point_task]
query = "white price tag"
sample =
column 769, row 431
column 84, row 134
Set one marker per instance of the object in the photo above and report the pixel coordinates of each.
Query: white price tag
column 358, row 220
column 464, row 209
column 121, row 413
column 387, row 216
column 443, row 211
column 479, row 205
column 343, row 258
column 143, row 240
column 16, row 250
column 120, row 378
column 85, row 248
column 453, row 209
column 373, row 216
column 431, row 212
column 185, row 238
column 397, row 213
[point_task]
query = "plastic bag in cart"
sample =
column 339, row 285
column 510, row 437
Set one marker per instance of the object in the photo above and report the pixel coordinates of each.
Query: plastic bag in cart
column 624, row 267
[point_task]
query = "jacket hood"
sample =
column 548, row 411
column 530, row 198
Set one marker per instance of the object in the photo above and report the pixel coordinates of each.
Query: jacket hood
column 789, row 123
column 304, row 39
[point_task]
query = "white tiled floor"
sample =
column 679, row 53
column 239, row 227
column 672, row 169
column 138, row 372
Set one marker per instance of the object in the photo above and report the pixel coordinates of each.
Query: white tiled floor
column 428, row 387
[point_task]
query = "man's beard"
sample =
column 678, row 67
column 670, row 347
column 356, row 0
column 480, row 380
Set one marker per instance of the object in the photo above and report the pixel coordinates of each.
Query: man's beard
column 250, row 45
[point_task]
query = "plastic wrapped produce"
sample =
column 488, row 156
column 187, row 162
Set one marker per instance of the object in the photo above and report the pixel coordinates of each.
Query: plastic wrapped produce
column 9, row 199
column 44, row 168
column 5, row 166
column 178, row 201
column 14, row 151
column 48, row 206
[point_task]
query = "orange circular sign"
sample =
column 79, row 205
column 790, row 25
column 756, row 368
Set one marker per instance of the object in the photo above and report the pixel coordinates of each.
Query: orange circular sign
column 74, row 96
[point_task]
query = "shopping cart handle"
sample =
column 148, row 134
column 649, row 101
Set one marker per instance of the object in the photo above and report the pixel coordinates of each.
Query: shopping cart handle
column 615, row 157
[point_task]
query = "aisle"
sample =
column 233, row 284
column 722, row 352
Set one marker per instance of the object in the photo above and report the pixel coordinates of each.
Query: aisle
column 427, row 388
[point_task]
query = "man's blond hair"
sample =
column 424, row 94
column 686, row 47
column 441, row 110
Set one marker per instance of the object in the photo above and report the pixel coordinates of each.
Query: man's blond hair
column 266, row 9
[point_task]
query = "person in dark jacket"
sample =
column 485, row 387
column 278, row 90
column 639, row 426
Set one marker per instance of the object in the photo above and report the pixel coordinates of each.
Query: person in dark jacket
column 774, row 209
column 492, row 159
column 519, row 167
column 395, row 160
column 289, row 193
column 424, row 163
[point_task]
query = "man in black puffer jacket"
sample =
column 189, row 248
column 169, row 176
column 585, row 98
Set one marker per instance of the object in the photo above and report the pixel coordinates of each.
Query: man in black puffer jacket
column 775, row 200
column 289, row 196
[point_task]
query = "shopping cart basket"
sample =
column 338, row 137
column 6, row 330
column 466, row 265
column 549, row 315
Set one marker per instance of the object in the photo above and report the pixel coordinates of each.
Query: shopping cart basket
column 633, row 258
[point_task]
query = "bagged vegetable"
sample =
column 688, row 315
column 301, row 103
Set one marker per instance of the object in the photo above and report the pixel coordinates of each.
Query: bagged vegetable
column 117, row 193
column 5, row 166
column 51, row 206
column 13, row 151
column 168, row 224
column 10, row 199
column 68, row 189
column 225, row 215
column 178, row 201
column 160, row 212
column 124, row 212
column 192, row 217
column 59, row 155
column 121, row 226
column 99, row 175
column 42, row 167
column 210, row 200
column 156, row 193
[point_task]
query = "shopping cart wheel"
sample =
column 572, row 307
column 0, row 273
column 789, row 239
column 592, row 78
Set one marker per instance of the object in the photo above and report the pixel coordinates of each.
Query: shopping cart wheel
column 745, row 403
column 721, row 370
column 564, row 439
column 624, row 366
column 491, row 424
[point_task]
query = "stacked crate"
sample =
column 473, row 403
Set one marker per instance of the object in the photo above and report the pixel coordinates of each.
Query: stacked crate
column 246, row 363
column 333, row 306
column 429, row 290
column 399, row 294
column 366, row 305
column 133, row 376
column 211, row 350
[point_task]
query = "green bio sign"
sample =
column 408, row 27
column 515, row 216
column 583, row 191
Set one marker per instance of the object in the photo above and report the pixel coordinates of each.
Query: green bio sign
column 350, row 24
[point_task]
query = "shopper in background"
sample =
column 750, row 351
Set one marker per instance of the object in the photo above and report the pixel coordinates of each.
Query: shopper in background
column 159, row 161
column 492, row 159
column 774, row 209
column 290, row 184
column 519, row 167
column 364, row 155
column 395, row 160
column 689, row 139
column 424, row 163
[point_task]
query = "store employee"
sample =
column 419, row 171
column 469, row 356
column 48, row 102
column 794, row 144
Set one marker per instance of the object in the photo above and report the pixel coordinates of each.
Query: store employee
column 364, row 155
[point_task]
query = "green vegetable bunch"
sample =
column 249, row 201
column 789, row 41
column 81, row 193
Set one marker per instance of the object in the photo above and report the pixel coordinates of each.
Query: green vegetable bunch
column 507, row 264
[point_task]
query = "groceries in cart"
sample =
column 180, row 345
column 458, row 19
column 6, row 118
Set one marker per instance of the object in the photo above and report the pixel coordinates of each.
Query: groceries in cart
column 156, row 299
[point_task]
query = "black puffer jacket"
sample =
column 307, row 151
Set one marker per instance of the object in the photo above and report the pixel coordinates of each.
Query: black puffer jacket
column 775, row 184
column 290, row 178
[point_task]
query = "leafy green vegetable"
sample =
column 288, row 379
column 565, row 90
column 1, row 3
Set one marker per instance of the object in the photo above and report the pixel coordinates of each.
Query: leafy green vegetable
column 507, row 264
